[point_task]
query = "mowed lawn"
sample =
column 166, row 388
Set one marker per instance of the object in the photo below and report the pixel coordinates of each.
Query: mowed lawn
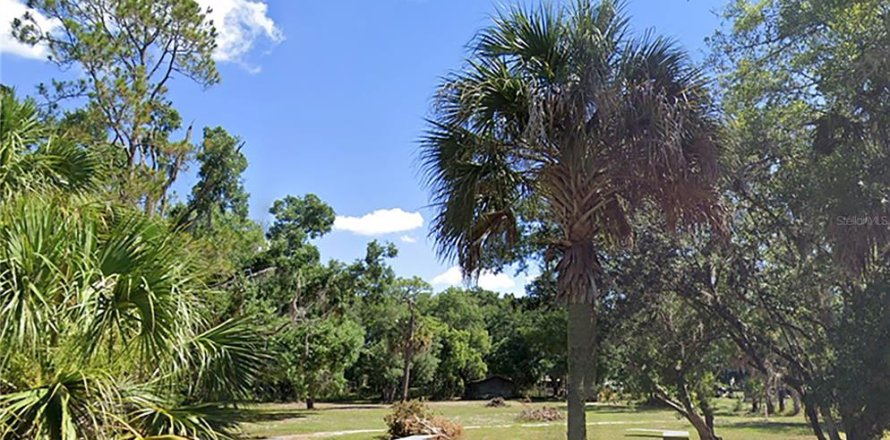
column 346, row 421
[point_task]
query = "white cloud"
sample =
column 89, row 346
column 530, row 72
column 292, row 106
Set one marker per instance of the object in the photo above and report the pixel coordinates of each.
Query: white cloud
column 408, row 239
column 496, row 281
column 381, row 221
column 450, row 277
column 487, row 280
column 12, row 9
column 239, row 25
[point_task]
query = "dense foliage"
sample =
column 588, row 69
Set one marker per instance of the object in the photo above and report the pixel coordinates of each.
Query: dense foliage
column 563, row 143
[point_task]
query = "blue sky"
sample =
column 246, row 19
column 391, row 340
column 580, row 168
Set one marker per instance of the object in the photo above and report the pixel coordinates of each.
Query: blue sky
column 330, row 97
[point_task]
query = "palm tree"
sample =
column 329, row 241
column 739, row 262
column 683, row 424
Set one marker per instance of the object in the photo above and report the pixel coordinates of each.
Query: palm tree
column 559, row 119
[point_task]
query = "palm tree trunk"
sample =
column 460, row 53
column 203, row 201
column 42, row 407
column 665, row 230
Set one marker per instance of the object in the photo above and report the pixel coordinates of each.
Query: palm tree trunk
column 578, row 287
column 589, row 338
column 409, row 353
column 406, row 375
column 580, row 337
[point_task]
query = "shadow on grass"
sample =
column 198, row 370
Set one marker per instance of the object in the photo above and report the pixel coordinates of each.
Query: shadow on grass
column 257, row 415
column 770, row 426
column 352, row 407
column 614, row 409
column 599, row 409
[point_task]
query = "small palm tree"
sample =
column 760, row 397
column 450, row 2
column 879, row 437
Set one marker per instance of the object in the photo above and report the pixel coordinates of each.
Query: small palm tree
column 559, row 119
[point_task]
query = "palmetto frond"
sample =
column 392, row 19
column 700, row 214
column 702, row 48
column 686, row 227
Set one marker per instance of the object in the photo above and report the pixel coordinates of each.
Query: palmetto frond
column 150, row 417
column 149, row 286
column 32, row 158
column 84, row 284
column 225, row 361
column 70, row 405
column 44, row 258
column 20, row 125
column 560, row 109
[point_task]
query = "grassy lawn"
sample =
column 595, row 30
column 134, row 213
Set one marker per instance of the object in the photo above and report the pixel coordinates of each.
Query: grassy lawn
column 365, row 422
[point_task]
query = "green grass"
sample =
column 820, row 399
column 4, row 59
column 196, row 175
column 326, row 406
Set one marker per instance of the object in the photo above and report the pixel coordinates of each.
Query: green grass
column 331, row 421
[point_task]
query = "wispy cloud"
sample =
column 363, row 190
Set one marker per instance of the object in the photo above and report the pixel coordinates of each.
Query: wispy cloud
column 381, row 221
column 487, row 280
column 9, row 11
column 240, row 24
column 408, row 239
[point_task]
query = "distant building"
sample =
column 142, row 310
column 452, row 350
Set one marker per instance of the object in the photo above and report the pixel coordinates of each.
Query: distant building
column 490, row 387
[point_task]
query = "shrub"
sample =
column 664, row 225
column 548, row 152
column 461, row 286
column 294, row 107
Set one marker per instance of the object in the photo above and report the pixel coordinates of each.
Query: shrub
column 543, row 414
column 497, row 402
column 444, row 429
column 607, row 394
column 404, row 416
column 415, row 418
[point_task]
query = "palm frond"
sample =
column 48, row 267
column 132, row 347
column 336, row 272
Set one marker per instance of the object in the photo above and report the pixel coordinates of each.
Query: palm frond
column 561, row 110
column 149, row 282
column 45, row 249
column 470, row 181
column 226, row 360
column 30, row 158
column 153, row 418
column 70, row 406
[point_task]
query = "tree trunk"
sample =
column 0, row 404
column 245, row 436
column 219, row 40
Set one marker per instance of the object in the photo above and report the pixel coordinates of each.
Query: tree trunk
column 310, row 402
column 704, row 427
column 705, row 432
column 589, row 360
column 708, row 412
column 857, row 425
column 767, row 400
column 578, row 288
column 406, row 376
column 795, row 402
column 862, row 423
column 813, row 418
column 578, row 339
column 409, row 353
column 830, row 425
